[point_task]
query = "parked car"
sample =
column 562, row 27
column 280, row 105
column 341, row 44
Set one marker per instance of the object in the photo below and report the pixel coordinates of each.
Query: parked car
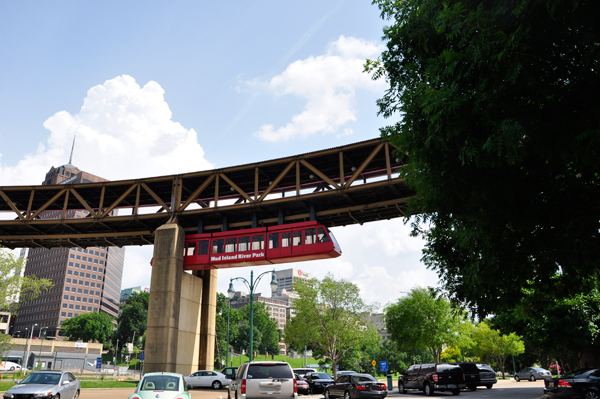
column 302, row 386
column 351, row 386
column 207, row 378
column 303, row 371
column 318, row 381
column 581, row 383
column 433, row 377
column 532, row 374
column 229, row 372
column 5, row 365
column 44, row 384
column 263, row 379
column 154, row 385
column 472, row 377
column 487, row 375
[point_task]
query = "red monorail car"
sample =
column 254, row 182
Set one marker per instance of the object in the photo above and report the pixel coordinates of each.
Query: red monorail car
column 262, row 246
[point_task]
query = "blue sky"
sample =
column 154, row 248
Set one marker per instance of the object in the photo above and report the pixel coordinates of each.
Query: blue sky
column 155, row 88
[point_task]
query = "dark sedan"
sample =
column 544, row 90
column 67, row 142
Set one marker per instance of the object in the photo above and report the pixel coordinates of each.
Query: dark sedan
column 353, row 386
column 318, row 381
column 301, row 385
column 581, row 383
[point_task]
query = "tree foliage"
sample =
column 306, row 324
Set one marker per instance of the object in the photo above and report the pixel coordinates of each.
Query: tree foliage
column 12, row 284
column 331, row 318
column 265, row 335
column 422, row 320
column 221, row 327
column 133, row 318
column 92, row 326
column 500, row 120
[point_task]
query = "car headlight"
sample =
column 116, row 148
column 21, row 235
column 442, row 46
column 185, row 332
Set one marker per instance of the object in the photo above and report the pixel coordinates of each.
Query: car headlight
column 43, row 395
column 8, row 396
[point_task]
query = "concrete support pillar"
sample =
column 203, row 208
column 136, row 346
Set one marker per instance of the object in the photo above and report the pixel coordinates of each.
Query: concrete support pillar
column 206, row 358
column 165, row 297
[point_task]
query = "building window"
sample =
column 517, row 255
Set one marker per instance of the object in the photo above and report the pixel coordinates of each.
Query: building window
column 71, row 306
column 90, row 308
column 101, row 262
column 70, row 314
column 63, row 314
column 81, row 282
column 64, row 305
column 85, row 251
column 76, row 264
column 95, row 269
column 70, row 272
column 71, row 256
column 96, row 253
column 72, row 298
column 79, row 290
column 85, row 291
column 70, row 263
column 95, row 261
column 78, row 249
column 78, row 257
column 68, row 280
column 77, row 307
column 93, row 284
column 84, row 259
column 76, row 273
column 67, row 289
column 78, row 299
column 95, row 309
column 95, row 301
column 87, row 283
column 84, row 299
column 66, row 297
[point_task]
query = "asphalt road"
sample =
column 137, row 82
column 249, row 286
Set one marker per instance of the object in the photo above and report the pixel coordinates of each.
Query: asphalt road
column 503, row 389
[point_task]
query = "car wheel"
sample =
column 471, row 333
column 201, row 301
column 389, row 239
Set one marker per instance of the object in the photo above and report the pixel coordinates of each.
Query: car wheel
column 456, row 392
column 489, row 386
column 326, row 394
column 347, row 395
column 401, row 388
column 12, row 368
column 427, row 389
column 517, row 378
column 216, row 384
column 591, row 395
column 532, row 378
column 76, row 395
column 228, row 394
column 473, row 388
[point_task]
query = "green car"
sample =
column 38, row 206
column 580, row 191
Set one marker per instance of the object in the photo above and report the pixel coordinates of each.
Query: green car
column 162, row 386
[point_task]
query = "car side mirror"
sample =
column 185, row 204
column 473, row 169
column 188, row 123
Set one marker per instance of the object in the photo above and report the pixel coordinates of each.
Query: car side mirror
column 17, row 382
column 66, row 382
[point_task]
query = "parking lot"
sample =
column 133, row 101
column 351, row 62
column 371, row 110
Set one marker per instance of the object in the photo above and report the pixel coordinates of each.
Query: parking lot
column 503, row 389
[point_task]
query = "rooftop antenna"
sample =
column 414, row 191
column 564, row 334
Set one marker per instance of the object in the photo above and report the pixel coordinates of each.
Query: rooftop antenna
column 72, row 147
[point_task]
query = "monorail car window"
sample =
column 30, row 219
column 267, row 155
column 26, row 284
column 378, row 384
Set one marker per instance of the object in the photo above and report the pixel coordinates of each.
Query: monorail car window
column 190, row 249
column 273, row 240
column 285, row 239
column 244, row 244
column 310, row 236
column 203, row 247
column 218, row 246
column 297, row 239
column 230, row 244
column 258, row 242
column 323, row 237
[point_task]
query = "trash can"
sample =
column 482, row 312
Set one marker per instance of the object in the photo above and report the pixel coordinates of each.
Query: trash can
column 390, row 383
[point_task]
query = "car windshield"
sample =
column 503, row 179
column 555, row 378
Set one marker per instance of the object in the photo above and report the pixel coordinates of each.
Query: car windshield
column 357, row 379
column 42, row 378
column 320, row 376
column 274, row 370
column 160, row 383
column 575, row 373
column 451, row 368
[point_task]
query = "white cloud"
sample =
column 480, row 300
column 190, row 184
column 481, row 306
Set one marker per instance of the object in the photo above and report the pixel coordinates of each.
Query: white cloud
column 328, row 83
column 123, row 131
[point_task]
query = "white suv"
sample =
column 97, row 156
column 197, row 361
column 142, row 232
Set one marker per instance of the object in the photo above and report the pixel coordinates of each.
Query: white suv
column 263, row 379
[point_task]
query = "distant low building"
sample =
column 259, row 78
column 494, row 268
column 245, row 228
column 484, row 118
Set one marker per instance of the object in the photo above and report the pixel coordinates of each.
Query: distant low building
column 378, row 319
column 127, row 292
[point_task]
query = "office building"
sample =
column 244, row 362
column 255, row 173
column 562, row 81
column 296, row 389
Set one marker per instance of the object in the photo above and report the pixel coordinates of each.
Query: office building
column 286, row 278
column 85, row 279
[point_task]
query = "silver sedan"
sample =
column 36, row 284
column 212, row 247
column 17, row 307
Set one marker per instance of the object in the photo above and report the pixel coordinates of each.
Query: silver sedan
column 207, row 378
column 46, row 384
column 532, row 374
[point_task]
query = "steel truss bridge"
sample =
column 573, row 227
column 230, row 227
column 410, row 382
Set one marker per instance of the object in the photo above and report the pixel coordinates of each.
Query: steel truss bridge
column 356, row 183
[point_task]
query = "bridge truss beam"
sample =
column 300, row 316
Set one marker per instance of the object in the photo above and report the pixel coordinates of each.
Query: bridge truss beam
column 356, row 183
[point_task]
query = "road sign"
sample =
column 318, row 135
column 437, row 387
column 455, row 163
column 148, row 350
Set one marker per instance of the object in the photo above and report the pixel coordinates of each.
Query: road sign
column 98, row 362
column 141, row 356
column 383, row 366
column 373, row 363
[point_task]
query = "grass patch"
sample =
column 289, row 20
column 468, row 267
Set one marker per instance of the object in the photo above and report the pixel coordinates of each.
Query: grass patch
column 6, row 385
column 108, row 384
column 295, row 363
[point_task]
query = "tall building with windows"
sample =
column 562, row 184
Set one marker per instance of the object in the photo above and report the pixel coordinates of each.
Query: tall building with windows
column 85, row 279
column 286, row 278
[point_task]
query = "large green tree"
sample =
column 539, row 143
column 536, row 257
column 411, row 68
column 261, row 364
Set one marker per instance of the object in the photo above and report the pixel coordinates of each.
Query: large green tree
column 94, row 326
column 133, row 319
column 422, row 320
column 331, row 318
column 498, row 112
column 265, row 335
column 223, row 308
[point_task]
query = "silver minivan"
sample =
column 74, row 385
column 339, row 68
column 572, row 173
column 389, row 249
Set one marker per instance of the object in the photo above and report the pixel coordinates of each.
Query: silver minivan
column 263, row 379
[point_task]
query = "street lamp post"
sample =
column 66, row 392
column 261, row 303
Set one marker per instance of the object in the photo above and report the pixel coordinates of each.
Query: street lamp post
column 42, row 337
column 26, row 351
column 251, row 285
column 227, row 347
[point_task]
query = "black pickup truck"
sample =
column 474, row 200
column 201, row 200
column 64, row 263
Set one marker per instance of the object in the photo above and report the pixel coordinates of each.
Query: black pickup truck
column 433, row 377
